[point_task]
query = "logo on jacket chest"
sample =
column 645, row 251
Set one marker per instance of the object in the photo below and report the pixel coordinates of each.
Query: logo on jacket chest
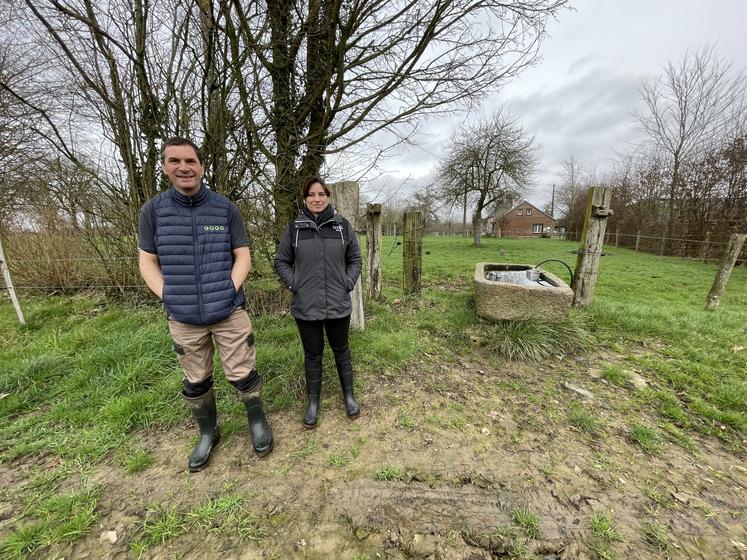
column 214, row 228
column 337, row 227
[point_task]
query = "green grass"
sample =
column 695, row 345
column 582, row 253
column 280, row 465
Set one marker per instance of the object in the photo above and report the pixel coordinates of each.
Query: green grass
column 338, row 460
column 51, row 518
column 389, row 473
column 405, row 420
column 655, row 493
column 137, row 462
column 78, row 379
column 227, row 514
column 603, row 528
column 527, row 520
column 584, row 421
column 161, row 525
column 603, row 533
column 121, row 359
column 615, row 375
column 532, row 341
column 656, row 534
column 646, row 438
column 87, row 374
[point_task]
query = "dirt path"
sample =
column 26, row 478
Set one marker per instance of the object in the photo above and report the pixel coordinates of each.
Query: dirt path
column 441, row 465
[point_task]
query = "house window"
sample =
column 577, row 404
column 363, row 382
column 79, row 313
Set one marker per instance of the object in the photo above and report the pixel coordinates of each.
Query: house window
column 537, row 228
column 529, row 211
column 520, row 212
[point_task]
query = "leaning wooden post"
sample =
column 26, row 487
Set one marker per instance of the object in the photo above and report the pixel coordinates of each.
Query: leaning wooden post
column 705, row 249
column 345, row 201
column 592, row 240
column 412, row 252
column 722, row 276
column 637, row 239
column 9, row 286
column 373, row 251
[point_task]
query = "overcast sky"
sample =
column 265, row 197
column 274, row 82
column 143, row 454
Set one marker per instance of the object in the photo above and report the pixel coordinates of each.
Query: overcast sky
column 579, row 99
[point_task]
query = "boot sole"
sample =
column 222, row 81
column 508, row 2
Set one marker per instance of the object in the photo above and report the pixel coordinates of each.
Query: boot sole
column 265, row 453
column 210, row 454
column 309, row 426
column 354, row 416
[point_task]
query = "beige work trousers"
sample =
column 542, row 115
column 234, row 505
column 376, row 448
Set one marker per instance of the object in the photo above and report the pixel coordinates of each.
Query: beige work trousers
column 235, row 341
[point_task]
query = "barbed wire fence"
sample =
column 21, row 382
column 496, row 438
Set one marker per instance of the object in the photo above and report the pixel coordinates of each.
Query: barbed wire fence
column 22, row 267
column 265, row 294
column 71, row 274
column 707, row 250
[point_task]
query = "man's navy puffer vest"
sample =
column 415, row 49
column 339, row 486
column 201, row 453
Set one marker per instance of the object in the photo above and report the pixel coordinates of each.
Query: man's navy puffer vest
column 193, row 241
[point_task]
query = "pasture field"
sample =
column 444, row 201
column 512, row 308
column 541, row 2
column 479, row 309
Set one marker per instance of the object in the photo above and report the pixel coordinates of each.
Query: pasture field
column 619, row 433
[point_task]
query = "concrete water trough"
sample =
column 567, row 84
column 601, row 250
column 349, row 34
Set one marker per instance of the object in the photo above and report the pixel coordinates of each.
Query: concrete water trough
column 520, row 291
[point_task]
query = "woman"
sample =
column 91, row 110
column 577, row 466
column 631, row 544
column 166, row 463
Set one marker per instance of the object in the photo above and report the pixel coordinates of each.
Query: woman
column 319, row 260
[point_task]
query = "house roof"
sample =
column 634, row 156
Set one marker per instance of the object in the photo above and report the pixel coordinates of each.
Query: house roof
column 502, row 211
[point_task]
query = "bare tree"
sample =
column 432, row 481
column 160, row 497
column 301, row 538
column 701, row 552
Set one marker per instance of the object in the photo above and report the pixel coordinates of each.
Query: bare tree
column 490, row 163
column 713, row 193
column 425, row 201
column 328, row 75
column 269, row 89
column 19, row 156
column 688, row 109
column 572, row 185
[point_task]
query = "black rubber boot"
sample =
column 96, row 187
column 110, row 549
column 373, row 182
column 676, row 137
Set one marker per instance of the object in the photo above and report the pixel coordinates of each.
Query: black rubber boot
column 205, row 414
column 313, row 369
column 344, row 363
column 258, row 426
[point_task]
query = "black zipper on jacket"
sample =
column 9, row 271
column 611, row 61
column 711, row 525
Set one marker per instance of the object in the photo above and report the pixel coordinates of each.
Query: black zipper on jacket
column 196, row 263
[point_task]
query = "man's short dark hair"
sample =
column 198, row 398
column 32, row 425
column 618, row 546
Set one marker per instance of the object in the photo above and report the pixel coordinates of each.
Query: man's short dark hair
column 179, row 141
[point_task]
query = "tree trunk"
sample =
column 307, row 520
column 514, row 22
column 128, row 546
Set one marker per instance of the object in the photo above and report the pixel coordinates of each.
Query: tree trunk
column 285, row 189
column 214, row 117
column 412, row 252
column 464, row 214
column 477, row 228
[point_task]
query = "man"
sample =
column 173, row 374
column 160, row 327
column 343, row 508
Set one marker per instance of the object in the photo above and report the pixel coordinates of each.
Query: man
column 194, row 255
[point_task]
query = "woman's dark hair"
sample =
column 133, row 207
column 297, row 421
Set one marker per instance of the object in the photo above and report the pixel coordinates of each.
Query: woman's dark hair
column 310, row 181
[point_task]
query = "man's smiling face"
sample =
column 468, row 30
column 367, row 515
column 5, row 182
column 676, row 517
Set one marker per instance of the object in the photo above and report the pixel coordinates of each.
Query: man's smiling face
column 183, row 168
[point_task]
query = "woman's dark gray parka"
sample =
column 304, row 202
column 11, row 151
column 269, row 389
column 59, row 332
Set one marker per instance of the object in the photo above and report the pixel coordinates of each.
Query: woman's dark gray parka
column 320, row 265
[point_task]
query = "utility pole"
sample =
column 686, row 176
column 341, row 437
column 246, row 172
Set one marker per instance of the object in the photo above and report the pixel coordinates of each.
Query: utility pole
column 552, row 202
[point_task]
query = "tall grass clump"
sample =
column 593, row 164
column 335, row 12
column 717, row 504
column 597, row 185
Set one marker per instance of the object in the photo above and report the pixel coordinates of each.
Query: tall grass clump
column 532, row 341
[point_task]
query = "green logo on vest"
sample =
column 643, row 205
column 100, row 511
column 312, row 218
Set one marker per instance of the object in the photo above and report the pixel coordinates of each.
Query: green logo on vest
column 214, row 228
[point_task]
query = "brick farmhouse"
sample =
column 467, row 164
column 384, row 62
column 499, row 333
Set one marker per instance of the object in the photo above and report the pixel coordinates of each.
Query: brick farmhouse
column 522, row 220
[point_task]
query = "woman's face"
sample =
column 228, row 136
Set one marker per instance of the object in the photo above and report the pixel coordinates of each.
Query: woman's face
column 317, row 200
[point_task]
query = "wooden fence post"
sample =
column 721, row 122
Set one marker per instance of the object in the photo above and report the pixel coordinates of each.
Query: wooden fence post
column 617, row 236
column 637, row 239
column 345, row 201
column 727, row 264
column 592, row 239
column 412, row 252
column 706, row 248
column 373, row 252
column 9, row 285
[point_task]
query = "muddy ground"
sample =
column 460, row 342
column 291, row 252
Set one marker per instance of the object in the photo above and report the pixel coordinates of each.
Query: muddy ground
column 436, row 466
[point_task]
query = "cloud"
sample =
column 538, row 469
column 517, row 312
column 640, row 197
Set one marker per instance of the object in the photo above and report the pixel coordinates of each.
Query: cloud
column 580, row 98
